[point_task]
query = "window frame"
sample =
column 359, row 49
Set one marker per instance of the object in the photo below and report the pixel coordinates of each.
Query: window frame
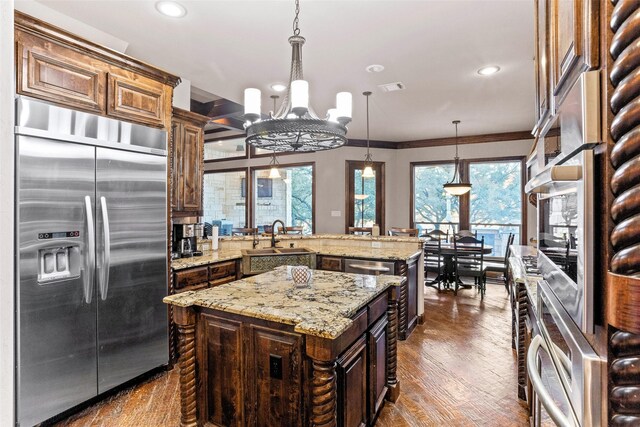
column 350, row 167
column 465, row 200
column 246, row 199
column 226, row 159
column 252, row 169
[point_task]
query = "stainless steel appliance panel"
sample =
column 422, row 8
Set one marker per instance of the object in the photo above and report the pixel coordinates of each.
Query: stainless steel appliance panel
column 56, row 318
column 131, row 272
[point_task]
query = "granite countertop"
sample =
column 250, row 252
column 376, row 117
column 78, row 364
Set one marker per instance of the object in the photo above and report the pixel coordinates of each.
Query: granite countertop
column 324, row 309
column 369, row 253
column 356, row 237
column 391, row 254
column 520, row 275
column 208, row 257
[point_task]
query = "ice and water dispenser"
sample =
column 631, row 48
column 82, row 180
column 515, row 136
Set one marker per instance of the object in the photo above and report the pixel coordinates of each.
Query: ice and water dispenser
column 59, row 260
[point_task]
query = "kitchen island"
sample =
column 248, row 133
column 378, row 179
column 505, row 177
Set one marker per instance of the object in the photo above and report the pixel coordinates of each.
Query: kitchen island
column 259, row 351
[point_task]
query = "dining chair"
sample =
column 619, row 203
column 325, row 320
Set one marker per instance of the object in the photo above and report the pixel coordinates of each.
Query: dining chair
column 291, row 230
column 244, row 231
column 438, row 234
column 409, row 232
column 501, row 267
column 361, row 230
column 467, row 233
column 469, row 262
column 434, row 262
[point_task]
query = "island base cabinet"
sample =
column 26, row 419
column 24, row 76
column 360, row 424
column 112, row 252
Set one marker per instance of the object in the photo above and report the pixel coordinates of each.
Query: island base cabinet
column 221, row 388
column 377, row 345
column 352, row 385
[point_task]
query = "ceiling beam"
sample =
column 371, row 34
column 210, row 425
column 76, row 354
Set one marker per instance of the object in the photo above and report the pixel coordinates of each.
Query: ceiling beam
column 217, row 109
column 373, row 144
column 215, row 130
column 472, row 139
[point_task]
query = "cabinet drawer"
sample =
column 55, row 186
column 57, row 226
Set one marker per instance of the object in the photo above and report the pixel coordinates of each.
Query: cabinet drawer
column 139, row 100
column 330, row 263
column 56, row 74
column 190, row 277
column 222, row 281
column 222, row 270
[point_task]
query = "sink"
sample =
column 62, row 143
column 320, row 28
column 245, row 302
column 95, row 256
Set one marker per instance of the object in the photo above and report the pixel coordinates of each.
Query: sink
column 256, row 261
column 294, row 250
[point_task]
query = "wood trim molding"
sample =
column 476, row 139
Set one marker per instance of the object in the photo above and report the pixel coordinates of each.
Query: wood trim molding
column 194, row 118
column 373, row 144
column 42, row 29
column 471, row 139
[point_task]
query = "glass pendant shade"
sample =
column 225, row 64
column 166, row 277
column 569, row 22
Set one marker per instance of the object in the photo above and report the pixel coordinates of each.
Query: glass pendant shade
column 457, row 189
column 274, row 173
column 368, row 172
column 360, row 196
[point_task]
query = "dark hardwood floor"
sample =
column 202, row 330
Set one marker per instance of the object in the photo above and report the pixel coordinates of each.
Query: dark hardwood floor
column 457, row 369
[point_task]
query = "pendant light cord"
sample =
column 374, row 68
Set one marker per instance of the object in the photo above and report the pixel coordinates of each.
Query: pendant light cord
column 368, row 125
column 456, row 123
column 296, row 20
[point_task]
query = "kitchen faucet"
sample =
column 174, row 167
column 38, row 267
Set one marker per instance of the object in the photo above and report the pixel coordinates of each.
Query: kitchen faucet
column 273, row 232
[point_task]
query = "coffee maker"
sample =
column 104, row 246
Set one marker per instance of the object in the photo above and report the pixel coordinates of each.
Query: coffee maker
column 185, row 240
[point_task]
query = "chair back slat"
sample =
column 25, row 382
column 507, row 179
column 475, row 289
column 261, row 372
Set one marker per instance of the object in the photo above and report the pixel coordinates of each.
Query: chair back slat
column 291, row 230
column 468, row 259
column 360, row 230
column 437, row 235
column 244, row 231
column 397, row 231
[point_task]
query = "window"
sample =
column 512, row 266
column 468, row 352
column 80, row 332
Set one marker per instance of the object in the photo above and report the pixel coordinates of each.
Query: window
column 224, row 149
column 224, row 198
column 365, row 196
column 289, row 198
column 434, row 208
column 494, row 207
column 495, row 201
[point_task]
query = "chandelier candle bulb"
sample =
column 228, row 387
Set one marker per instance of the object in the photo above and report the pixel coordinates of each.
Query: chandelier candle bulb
column 333, row 115
column 299, row 97
column 252, row 104
column 344, row 105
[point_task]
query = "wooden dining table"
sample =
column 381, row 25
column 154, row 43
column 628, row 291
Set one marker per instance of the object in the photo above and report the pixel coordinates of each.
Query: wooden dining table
column 447, row 250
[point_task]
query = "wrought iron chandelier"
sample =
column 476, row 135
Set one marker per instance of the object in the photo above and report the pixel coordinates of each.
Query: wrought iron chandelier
column 295, row 126
column 457, row 186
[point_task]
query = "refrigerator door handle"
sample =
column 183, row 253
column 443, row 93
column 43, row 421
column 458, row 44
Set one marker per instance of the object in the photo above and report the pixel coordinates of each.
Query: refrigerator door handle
column 91, row 252
column 106, row 261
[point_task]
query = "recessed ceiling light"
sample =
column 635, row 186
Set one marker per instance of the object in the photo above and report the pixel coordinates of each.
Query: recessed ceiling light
column 171, row 9
column 375, row 68
column 487, row 71
column 278, row 87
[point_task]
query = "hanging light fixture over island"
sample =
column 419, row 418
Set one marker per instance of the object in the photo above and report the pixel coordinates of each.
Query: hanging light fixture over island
column 295, row 126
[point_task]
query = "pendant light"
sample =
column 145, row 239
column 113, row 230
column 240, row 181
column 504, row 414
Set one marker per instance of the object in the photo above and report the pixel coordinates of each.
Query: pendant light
column 368, row 162
column 274, row 173
column 456, row 186
column 295, row 126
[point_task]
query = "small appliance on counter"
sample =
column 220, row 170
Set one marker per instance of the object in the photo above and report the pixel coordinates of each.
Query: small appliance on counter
column 185, row 238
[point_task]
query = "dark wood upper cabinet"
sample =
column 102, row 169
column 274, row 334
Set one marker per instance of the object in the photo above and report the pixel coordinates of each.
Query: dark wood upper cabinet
column 136, row 98
column 542, row 63
column 574, row 42
column 59, row 67
column 187, row 162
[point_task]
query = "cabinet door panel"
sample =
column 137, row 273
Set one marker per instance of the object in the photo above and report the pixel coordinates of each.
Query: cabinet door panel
column 192, row 156
column 50, row 75
column 574, row 38
column 136, row 100
column 412, row 295
column 176, row 165
column 542, row 62
column 352, row 385
column 275, row 372
column 377, row 344
column 220, row 387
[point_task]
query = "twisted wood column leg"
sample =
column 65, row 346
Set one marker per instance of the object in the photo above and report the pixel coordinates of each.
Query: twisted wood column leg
column 522, row 363
column 323, row 394
column 402, row 311
column 185, row 321
column 392, row 347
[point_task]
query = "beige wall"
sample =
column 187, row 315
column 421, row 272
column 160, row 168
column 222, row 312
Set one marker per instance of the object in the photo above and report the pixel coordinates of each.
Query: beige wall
column 330, row 176
column 6, row 214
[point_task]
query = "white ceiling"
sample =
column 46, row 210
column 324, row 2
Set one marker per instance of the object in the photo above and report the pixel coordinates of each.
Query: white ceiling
column 433, row 47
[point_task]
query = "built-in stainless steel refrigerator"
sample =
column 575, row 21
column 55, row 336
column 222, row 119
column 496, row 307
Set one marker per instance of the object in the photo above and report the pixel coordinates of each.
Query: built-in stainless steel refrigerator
column 91, row 268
